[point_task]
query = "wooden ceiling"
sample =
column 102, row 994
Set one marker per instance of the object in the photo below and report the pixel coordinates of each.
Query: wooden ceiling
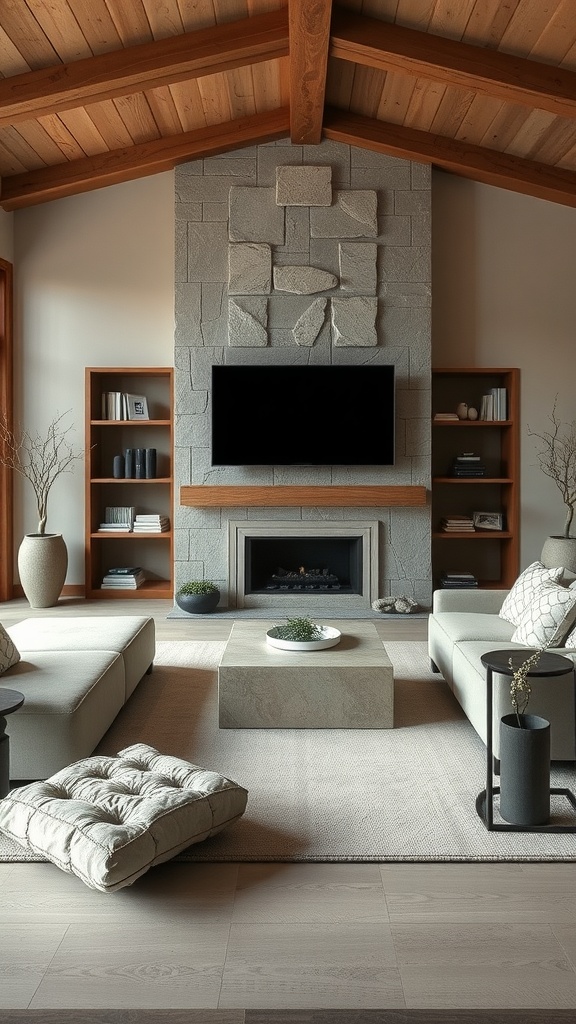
column 94, row 92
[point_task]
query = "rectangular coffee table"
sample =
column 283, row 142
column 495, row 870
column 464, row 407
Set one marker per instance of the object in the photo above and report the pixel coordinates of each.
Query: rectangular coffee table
column 350, row 686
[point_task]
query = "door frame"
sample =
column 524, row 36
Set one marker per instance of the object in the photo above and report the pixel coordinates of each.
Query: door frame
column 7, row 408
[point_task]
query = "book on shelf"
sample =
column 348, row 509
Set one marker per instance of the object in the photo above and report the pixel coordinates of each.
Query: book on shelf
column 151, row 523
column 494, row 405
column 457, row 524
column 457, row 580
column 114, row 528
column 446, row 416
column 123, row 578
column 114, row 514
column 120, row 405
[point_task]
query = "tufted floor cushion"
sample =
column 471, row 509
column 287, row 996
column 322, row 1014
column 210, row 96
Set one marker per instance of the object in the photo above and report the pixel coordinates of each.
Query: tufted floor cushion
column 108, row 819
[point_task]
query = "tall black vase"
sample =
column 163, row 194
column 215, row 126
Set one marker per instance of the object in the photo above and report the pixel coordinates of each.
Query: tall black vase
column 525, row 770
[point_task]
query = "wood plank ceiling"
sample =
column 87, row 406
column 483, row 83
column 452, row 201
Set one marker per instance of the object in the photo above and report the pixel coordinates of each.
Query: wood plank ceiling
column 94, row 92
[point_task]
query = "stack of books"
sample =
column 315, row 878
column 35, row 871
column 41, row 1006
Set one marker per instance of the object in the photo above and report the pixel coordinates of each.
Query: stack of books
column 494, row 405
column 457, row 580
column 153, row 523
column 446, row 416
column 118, row 519
column 123, row 578
column 457, row 524
column 468, row 465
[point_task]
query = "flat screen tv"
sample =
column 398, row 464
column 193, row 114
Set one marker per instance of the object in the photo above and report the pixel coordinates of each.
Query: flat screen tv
column 303, row 415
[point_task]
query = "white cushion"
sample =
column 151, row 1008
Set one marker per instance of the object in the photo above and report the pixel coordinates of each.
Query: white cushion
column 522, row 590
column 549, row 617
column 108, row 819
column 9, row 653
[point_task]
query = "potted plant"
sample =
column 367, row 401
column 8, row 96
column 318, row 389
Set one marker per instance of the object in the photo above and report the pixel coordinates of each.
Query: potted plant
column 197, row 597
column 40, row 459
column 557, row 458
column 524, row 753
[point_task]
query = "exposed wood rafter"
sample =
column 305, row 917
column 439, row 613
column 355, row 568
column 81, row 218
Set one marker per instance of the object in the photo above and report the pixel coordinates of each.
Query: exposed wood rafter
column 387, row 47
column 147, row 66
column 39, row 186
column 309, row 23
column 476, row 162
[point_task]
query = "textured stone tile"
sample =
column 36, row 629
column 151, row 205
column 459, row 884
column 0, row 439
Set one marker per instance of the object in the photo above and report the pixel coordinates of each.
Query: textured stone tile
column 247, row 322
column 183, row 171
column 250, row 268
column 407, row 263
column 417, row 441
column 234, row 167
column 421, row 224
column 203, row 190
column 352, row 215
column 411, row 202
column 325, row 252
column 254, row 216
column 297, row 230
column 181, row 250
column 303, row 280
column 358, row 267
column 285, row 310
column 354, row 321
column 214, row 314
column 309, row 325
column 393, row 230
column 271, row 156
column 421, row 175
column 188, row 211
column 336, row 154
column 410, row 294
column 182, row 545
column 207, row 252
column 187, row 302
column 303, row 186
column 214, row 211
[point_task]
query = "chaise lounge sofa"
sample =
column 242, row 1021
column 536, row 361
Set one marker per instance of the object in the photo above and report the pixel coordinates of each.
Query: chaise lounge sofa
column 464, row 625
column 76, row 673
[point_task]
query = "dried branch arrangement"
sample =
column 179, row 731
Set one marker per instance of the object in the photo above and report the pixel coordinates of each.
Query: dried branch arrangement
column 39, row 459
column 557, row 458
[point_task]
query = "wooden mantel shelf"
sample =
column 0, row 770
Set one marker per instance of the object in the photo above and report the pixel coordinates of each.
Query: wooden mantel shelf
column 227, row 496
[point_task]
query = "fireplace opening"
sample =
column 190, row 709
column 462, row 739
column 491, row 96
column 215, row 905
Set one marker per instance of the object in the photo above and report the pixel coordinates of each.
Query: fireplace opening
column 303, row 565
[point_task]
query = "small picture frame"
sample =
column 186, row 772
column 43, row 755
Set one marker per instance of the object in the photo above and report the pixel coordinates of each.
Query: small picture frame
column 488, row 520
column 137, row 407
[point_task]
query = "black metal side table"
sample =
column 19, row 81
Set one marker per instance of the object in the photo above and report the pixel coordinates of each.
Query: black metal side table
column 10, row 700
column 498, row 661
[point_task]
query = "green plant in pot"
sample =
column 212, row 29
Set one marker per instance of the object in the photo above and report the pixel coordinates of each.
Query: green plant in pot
column 198, row 597
column 524, row 752
column 556, row 450
column 40, row 459
column 300, row 629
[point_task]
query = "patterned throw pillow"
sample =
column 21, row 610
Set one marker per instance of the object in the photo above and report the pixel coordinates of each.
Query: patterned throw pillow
column 9, row 654
column 549, row 617
column 523, row 589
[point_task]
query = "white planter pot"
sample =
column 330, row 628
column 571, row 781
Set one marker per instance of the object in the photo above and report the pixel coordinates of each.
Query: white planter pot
column 42, row 565
column 559, row 551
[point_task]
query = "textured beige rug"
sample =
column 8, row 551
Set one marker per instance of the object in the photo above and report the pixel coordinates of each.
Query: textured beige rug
column 402, row 794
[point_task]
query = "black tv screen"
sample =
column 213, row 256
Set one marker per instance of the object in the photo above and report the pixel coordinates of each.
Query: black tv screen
column 303, row 415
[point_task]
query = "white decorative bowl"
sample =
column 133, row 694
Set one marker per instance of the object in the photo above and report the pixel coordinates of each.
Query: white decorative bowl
column 330, row 637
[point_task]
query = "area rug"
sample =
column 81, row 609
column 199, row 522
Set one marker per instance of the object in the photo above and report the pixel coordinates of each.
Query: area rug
column 401, row 794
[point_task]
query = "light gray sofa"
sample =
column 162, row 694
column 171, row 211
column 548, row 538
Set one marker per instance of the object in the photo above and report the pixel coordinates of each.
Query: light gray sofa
column 464, row 625
column 76, row 673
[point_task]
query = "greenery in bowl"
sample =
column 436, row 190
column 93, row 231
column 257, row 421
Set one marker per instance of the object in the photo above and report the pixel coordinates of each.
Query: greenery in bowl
column 198, row 587
column 301, row 629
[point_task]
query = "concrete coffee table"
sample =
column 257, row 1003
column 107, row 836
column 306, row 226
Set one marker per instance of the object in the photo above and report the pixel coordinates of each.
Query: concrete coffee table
column 350, row 686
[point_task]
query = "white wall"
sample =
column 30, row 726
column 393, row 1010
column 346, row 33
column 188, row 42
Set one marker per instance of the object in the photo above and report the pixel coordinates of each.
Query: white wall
column 94, row 286
column 504, row 294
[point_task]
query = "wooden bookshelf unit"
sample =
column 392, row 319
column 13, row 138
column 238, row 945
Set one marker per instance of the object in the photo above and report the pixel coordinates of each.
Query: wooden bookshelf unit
column 105, row 438
column 491, row 555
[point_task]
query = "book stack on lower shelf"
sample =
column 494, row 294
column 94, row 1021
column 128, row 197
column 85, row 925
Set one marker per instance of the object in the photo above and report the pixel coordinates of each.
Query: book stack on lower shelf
column 457, row 524
column 457, row 580
column 123, row 578
column 468, row 465
column 152, row 523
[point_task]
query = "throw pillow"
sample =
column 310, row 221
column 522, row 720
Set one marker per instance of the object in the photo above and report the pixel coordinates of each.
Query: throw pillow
column 108, row 819
column 549, row 617
column 9, row 653
column 523, row 589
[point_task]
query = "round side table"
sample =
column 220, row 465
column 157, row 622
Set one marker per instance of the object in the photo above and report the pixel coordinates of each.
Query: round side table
column 499, row 661
column 10, row 700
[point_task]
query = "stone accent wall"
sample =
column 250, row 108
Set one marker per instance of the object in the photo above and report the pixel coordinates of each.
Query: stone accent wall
column 303, row 254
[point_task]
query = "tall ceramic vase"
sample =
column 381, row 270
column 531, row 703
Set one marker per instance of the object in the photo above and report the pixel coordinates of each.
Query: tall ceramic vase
column 42, row 565
column 559, row 551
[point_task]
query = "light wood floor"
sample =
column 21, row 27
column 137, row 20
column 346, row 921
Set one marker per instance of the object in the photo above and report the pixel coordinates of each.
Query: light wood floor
column 236, row 936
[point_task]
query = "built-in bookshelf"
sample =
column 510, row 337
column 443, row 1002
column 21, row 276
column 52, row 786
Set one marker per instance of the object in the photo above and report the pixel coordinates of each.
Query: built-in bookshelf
column 125, row 489
column 489, row 551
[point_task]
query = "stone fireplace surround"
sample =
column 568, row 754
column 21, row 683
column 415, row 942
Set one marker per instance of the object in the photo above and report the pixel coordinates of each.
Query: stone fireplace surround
column 212, row 327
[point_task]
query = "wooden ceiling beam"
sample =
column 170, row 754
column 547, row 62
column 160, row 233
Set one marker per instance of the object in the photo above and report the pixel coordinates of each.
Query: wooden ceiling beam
column 40, row 186
column 309, row 29
column 476, row 162
column 145, row 66
column 379, row 44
